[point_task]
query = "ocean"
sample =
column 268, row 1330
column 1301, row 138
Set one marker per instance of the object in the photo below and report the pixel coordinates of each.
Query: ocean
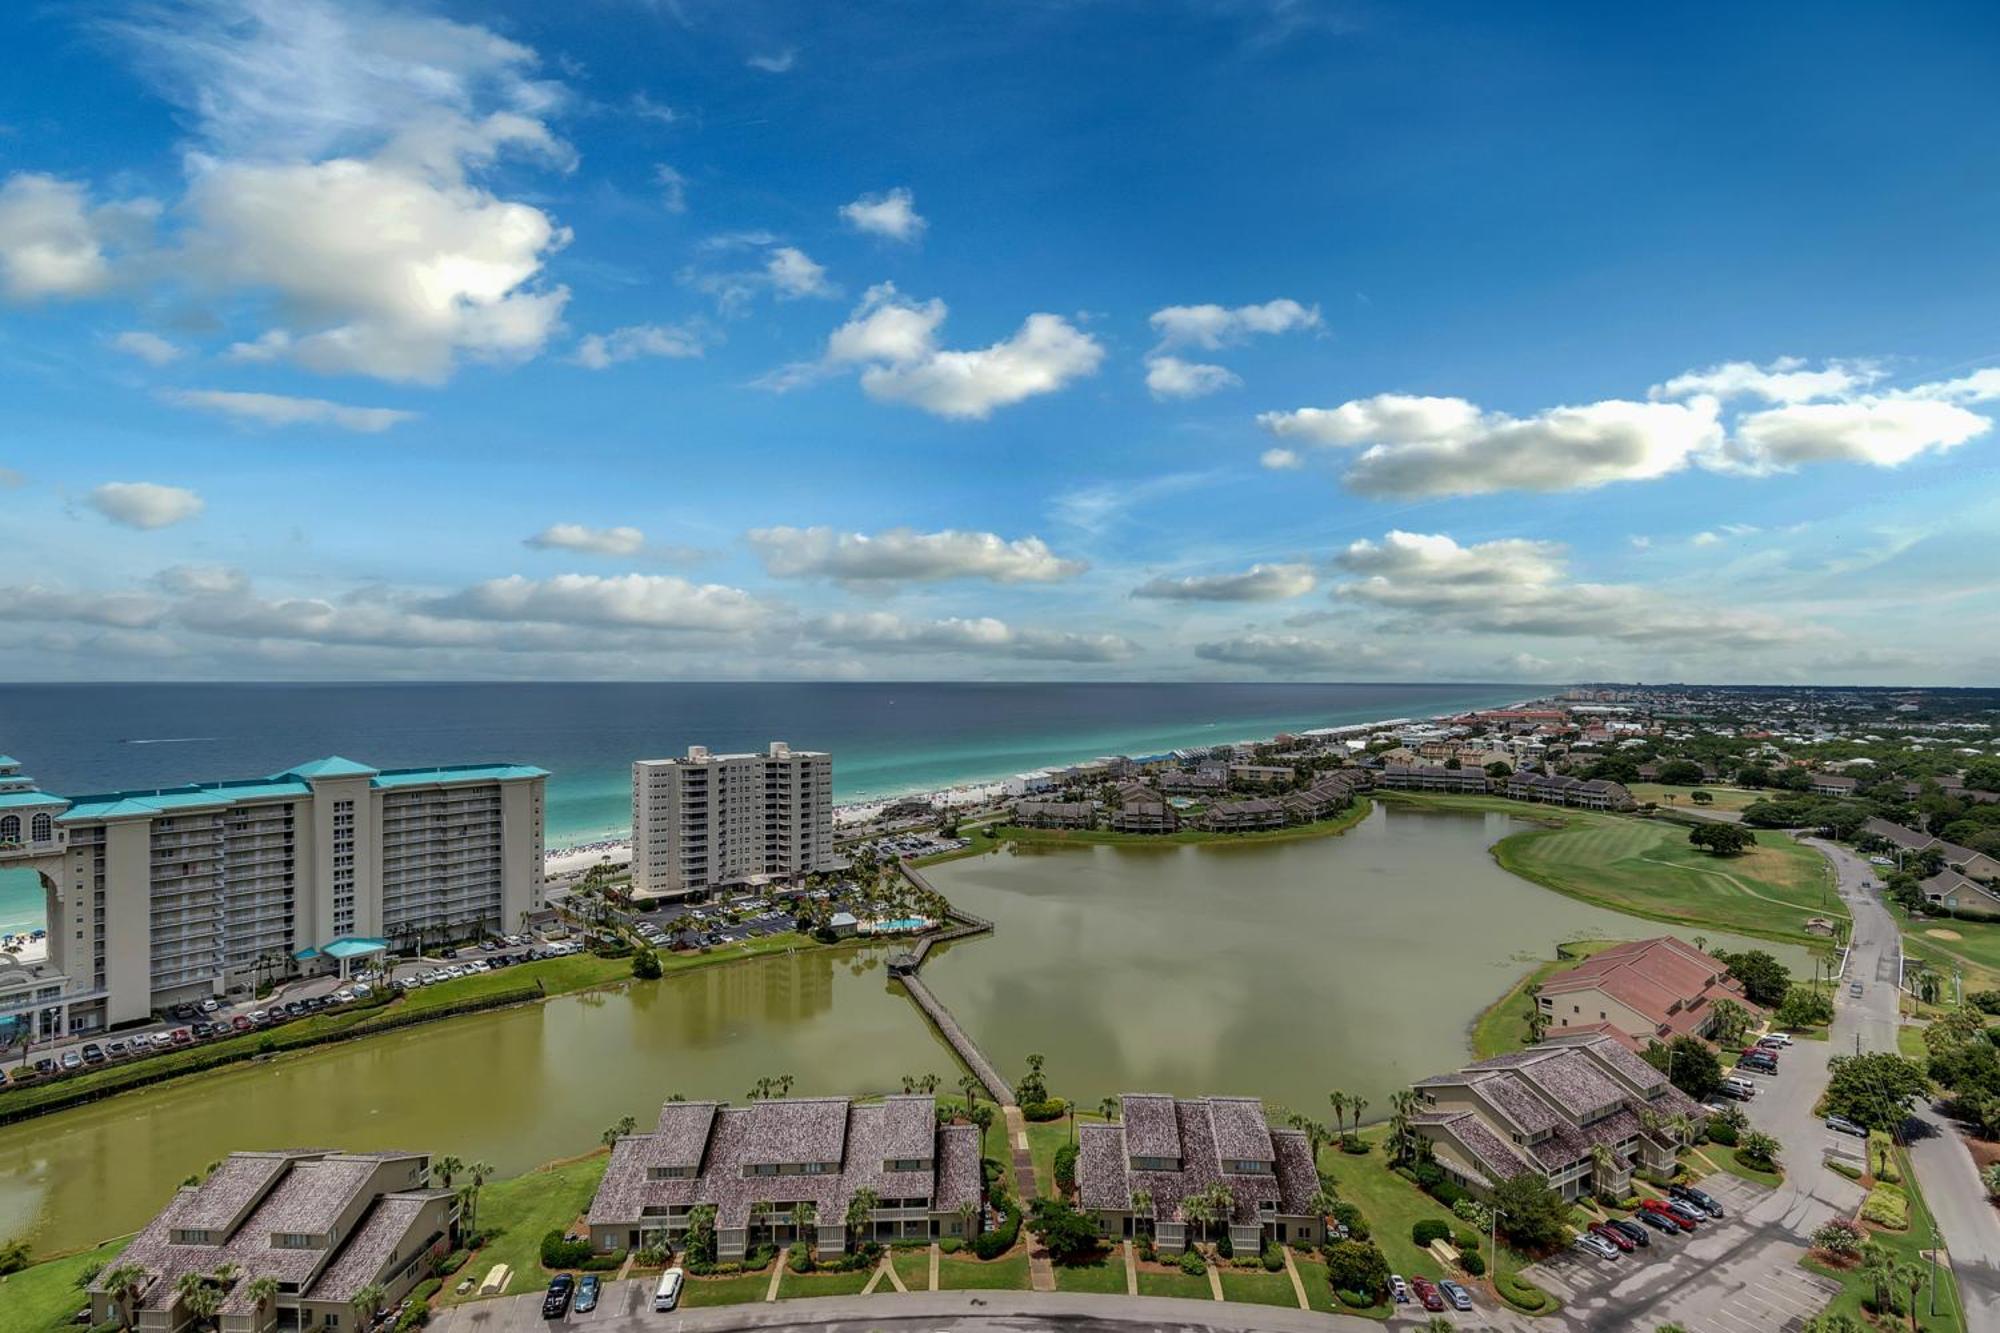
column 886, row 739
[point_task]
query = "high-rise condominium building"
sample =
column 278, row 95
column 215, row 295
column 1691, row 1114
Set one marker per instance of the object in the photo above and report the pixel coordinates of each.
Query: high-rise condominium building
column 710, row 820
column 160, row 896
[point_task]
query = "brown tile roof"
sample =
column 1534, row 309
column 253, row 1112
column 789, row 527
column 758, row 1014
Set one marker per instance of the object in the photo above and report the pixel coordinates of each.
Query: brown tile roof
column 377, row 1241
column 681, row 1137
column 909, row 1127
column 1104, row 1170
column 1654, row 978
column 792, row 1131
column 1152, row 1129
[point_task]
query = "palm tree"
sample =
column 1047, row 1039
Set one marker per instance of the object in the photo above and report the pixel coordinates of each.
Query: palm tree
column 1878, row 1265
column 444, row 1168
column 1338, row 1100
column 971, row 1087
column 1757, row 1149
column 1603, row 1163
column 1402, row 1105
column 367, row 1303
column 761, row 1211
column 612, row 1133
column 1732, row 1020
column 860, row 1212
column 968, row 1219
column 1356, row 1105
column 121, row 1284
column 1108, row 1108
column 804, row 1214
column 1910, row 1277
column 199, row 1296
column 1142, row 1207
column 263, row 1293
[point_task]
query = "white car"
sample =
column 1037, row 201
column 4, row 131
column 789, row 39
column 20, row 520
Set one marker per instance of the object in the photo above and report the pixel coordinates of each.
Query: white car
column 1880, row 861
column 1596, row 1245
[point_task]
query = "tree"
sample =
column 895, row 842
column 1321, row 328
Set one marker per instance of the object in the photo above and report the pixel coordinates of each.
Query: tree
column 1700, row 797
column 1721, row 839
column 1357, row 1266
column 1532, row 1215
column 1875, row 1091
column 1402, row 1105
column 612, row 1133
column 1878, row 1266
column 968, row 1218
column 1757, row 1149
column 1603, row 1166
column 1068, row 1233
column 263, row 1292
column 121, row 1284
column 367, row 1303
column 1764, row 979
column 199, row 1296
column 699, row 1240
column 1338, row 1101
column 1033, row 1087
column 1689, row 1065
column 1499, row 768
column 1911, row 1278
column 646, row 965
column 444, row 1168
column 1732, row 1022
column 1804, row 1007
column 1108, row 1108
column 1679, row 773
column 861, row 1212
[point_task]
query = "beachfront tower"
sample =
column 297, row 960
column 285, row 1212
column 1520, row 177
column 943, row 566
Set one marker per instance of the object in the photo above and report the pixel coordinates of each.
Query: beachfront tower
column 709, row 820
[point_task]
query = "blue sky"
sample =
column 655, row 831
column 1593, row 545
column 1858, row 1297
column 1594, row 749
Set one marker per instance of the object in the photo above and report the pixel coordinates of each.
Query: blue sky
column 1210, row 339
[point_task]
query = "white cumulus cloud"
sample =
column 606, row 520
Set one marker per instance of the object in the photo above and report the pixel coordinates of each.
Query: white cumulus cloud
column 1171, row 377
column 55, row 243
column 905, row 555
column 145, row 504
column 1786, row 380
column 1213, row 326
column 595, row 541
column 1297, row 654
column 977, row 635
column 1884, row 432
column 892, row 215
column 1259, row 583
column 148, row 347
column 600, row 351
column 648, row 601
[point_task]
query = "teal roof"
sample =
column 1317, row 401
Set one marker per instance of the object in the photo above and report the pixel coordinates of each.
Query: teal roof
column 19, row 798
column 333, row 766
column 9, row 761
column 287, row 786
column 353, row 947
column 413, row 777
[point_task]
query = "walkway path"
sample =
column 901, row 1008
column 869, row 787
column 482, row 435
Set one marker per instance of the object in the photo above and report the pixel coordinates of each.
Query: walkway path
column 1131, row 1271
column 777, row 1276
column 1041, row 1273
column 1298, row 1285
column 934, row 1265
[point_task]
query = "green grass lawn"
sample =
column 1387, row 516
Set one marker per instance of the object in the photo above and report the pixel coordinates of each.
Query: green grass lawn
column 1044, row 1137
column 1105, row 1274
column 796, row 1285
column 913, row 1265
column 1910, row 1043
column 1504, row 1025
column 1976, row 952
column 1257, row 1287
column 521, row 1210
column 1646, row 868
column 1908, row 1247
column 979, row 842
column 1009, row 1273
column 1175, row 1284
column 742, row 1289
column 44, row 1298
column 1679, row 798
column 1391, row 1204
column 1725, row 1157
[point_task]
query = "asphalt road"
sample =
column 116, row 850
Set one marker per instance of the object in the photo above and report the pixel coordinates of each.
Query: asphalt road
column 1965, row 1218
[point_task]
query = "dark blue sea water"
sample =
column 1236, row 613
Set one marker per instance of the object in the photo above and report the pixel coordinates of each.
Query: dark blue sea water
column 885, row 738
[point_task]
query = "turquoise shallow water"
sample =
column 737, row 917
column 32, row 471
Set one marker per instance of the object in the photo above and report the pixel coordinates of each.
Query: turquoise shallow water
column 886, row 739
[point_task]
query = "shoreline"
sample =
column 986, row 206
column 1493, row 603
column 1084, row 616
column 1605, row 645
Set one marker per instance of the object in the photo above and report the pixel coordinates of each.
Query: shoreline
column 573, row 857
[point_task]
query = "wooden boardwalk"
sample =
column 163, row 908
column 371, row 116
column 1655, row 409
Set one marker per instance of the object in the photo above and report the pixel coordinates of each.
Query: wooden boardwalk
column 959, row 925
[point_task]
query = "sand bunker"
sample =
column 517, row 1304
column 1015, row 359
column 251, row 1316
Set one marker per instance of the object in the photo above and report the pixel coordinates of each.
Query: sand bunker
column 1944, row 934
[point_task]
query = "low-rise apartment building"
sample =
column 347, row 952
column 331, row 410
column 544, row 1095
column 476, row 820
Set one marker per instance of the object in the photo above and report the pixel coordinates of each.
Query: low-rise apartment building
column 1140, row 809
column 1262, row 775
column 708, row 820
column 1640, row 992
column 322, row 1225
column 756, row 1164
column 1326, row 796
column 1055, row 814
column 1561, row 789
column 1432, row 777
column 1167, row 1163
column 1547, row 1109
column 1256, row 812
column 161, row 895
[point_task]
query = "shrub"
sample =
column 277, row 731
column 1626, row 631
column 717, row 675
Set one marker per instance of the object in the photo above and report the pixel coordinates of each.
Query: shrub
column 1722, row 1132
column 1472, row 1263
column 1066, row 1167
column 760, row 1257
column 1839, row 1237
column 1428, row 1230
column 414, row 1317
column 1354, row 1147
column 646, row 965
column 801, row 1257
column 1842, row 1168
column 423, row 1291
column 1350, row 1217
column 1225, row 1247
column 558, row 1252
column 1985, row 1001
column 950, row 1245
column 1193, row 1264
column 1147, row 1250
column 1353, row 1300
column 452, row 1262
column 992, row 1244
column 1887, row 1206
column 1519, row 1293
column 608, row 1262
column 1465, row 1240
column 1448, row 1193
column 1052, row 1109
column 1274, row 1259
column 1428, row 1175
column 1361, row 1269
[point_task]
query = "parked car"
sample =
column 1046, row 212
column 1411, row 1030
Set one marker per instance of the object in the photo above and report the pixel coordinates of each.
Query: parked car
column 1742, row 1089
column 1700, row 1198
column 668, row 1294
column 1427, row 1294
column 1840, row 1124
column 71, row 1060
column 1661, row 1222
column 555, row 1301
column 586, row 1290
column 1621, row 1241
column 1775, row 1039
column 93, row 1054
column 1632, row 1231
column 1686, row 1218
column 1687, row 1214
column 1399, row 1290
column 210, row 1006
column 1460, row 1298
column 1854, row 989
column 182, row 1036
column 1596, row 1245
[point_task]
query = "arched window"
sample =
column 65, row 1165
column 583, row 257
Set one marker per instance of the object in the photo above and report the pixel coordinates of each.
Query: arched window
column 44, row 828
column 10, row 828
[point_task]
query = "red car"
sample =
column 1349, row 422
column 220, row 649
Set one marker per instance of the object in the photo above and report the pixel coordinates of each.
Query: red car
column 182, row 1036
column 240, row 1023
column 1612, row 1235
column 1427, row 1294
column 1656, row 1206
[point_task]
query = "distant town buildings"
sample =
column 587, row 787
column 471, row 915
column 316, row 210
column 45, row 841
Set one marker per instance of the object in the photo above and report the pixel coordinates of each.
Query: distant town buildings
column 162, row 895
column 708, row 820
column 1139, row 1173
column 322, row 1226
column 756, row 1165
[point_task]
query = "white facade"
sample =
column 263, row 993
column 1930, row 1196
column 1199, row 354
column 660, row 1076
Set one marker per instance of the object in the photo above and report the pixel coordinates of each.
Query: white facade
column 707, row 820
column 160, row 896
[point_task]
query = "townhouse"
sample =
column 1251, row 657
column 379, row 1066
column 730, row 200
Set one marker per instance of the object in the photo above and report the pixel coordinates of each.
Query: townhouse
column 1432, row 777
column 1639, row 992
column 1140, row 809
column 1547, row 1110
column 322, row 1225
column 1191, row 1169
column 756, row 1165
column 1056, row 814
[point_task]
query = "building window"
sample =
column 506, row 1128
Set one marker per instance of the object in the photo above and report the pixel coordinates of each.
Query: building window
column 10, row 828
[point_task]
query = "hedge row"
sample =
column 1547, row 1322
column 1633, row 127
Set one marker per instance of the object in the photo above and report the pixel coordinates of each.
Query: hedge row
column 992, row 1244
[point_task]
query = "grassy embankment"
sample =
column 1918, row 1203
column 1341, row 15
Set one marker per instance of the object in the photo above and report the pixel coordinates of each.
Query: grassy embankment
column 1503, row 1027
column 1682, row 798
column 1908, row 1246
column 524, row 983
column 44, row 1298
column 1647, row 868
column 1970, row 947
